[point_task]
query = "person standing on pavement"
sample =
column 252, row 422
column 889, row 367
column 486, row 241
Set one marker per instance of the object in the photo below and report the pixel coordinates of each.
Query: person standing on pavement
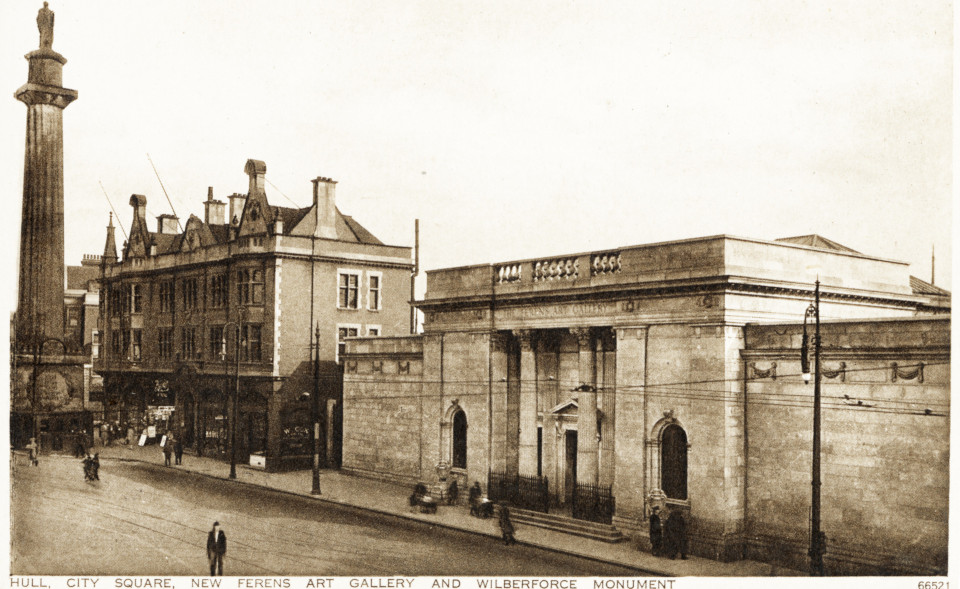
column 675, row 540
column 656, row 532
column 167, row 451
column 33, row 449
column 475, row 493
column 506, row 526
column 178, row 450
column 216, row 549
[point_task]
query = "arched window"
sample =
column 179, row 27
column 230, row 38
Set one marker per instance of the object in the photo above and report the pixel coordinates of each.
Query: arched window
column 673, row 462
column 460, row 440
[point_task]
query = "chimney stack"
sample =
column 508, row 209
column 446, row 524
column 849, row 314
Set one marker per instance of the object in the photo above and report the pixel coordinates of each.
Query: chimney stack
column 257, row 170
column 139, row 204
column 325, row 207
column 213, row 209
column 167, row 224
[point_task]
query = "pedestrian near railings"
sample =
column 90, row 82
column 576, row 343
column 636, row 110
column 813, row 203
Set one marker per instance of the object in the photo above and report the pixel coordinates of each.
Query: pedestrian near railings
column 656, row 532
column 216, row 549
column 475, row 494
column 178, row 450
column 33, row 451
column 167, row 452
column 676, row 535
column 506, row 526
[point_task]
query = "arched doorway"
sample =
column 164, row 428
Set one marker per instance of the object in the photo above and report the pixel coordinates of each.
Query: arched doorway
column 673, row 462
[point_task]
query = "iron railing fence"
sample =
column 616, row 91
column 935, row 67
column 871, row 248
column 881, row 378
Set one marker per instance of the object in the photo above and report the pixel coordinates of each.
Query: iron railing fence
column 593, row 503
column 525, row 492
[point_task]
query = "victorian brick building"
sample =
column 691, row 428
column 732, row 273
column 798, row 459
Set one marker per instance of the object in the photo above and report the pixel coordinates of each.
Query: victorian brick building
column 601, row 384
column 175, row 300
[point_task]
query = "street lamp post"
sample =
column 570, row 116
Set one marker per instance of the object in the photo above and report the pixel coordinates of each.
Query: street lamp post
column 236, row 391
column 818, row 540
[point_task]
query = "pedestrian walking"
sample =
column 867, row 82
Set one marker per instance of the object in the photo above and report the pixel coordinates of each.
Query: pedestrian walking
column 178, row 450
column 96, row 466
column 34, row 451
column 506, row 526
column 167, row 452
column 87, row 468
column 475, row 493
column 656, row 531
column 216, row 549
column 675, row 541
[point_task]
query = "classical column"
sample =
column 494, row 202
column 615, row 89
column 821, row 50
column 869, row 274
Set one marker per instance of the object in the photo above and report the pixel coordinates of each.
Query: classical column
column 528, row 404
column 40, row 297
column 498, row 402
column 587, row 446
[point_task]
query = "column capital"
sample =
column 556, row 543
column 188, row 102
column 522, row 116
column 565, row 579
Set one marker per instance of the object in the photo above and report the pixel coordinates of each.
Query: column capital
column 498, row 341
column 525, row 337
column 584, row 336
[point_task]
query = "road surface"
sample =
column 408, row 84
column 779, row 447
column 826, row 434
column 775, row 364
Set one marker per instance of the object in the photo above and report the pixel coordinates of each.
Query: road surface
column 143, row 519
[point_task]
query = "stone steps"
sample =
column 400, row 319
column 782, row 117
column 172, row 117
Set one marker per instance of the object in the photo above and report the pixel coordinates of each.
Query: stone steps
column 567, row 525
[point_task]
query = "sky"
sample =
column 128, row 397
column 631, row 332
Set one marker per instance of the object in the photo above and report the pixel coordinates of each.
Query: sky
column 510, row 129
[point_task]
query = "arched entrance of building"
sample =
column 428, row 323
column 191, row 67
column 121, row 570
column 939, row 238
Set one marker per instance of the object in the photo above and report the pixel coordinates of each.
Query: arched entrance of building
column 673, row 462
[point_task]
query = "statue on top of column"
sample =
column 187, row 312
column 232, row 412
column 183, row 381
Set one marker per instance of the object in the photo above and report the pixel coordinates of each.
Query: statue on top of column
column 45, row 24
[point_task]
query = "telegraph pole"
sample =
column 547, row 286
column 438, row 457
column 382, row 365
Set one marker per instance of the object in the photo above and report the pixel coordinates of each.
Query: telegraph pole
column 818, row 540
column 315, row 490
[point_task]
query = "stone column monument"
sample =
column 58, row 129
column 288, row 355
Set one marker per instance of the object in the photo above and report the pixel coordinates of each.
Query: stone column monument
column 40, row 297
column 46, row 369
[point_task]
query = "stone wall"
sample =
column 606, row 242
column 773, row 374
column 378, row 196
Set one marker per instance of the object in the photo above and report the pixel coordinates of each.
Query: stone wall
column 885, row 446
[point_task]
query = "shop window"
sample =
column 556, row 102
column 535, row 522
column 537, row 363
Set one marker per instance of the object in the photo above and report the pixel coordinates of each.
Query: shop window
column 673, row 462
column 460, row 439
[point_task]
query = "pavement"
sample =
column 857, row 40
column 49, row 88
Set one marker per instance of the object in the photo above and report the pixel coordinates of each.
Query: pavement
column 392, row 500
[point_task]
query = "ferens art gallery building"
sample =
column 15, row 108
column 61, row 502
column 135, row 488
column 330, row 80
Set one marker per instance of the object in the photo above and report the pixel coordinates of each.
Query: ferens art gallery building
column 669, row 374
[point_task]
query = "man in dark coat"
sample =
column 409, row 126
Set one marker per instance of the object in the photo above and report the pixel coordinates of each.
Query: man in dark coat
column 506, row 526
column 475, row 493
column 656, row 532
column 178, row 450
column 216, row 549
column 676, row 535
column 167, row 451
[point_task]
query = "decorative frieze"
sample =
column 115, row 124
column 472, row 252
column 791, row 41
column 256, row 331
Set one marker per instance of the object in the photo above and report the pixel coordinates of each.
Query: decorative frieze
column 770, row 373
column 905, row 374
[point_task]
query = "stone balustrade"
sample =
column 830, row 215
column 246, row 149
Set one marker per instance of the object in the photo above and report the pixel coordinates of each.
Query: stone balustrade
column 567, row 268
column 607, row 263
column 509, row 273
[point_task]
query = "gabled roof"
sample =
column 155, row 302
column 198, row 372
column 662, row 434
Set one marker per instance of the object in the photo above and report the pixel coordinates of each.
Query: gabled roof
column 291, row 217
column 360, row 233
column 922, row 287
column 818, row 242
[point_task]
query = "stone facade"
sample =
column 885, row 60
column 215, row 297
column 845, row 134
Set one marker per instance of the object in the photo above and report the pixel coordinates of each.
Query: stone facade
column 624, row 370
column 885, row 445
column 174, row 301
